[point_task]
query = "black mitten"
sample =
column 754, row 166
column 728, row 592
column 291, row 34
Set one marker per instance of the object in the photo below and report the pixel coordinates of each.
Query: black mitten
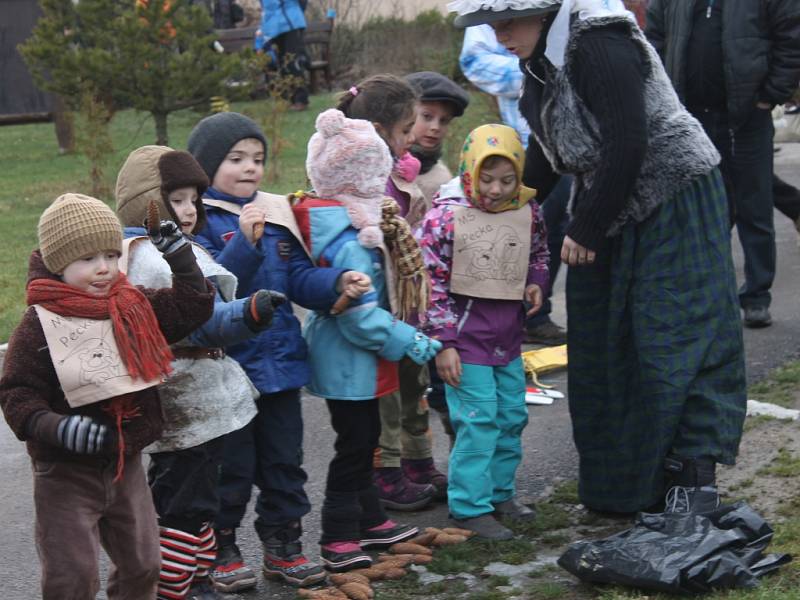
column 260, row 307
column 76, row 433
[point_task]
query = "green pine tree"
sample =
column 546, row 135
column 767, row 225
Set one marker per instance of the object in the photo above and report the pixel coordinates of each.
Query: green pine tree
column 70, row 51
column 166, row 47
column 152, row 55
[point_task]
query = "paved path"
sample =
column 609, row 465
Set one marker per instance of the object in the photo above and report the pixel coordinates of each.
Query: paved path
column 549, row 453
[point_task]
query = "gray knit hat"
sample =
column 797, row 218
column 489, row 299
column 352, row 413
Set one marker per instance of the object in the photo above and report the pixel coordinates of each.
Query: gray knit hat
column 213, row 137
column 74, row 226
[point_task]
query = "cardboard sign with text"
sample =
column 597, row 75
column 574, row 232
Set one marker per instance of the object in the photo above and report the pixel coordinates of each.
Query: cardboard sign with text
column 86, row 358
column 490, row 253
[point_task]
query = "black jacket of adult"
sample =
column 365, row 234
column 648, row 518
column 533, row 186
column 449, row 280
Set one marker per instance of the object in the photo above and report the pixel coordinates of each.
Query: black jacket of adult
column 760, row 49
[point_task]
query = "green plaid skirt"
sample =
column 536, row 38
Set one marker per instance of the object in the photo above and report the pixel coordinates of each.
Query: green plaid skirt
column 656, row 362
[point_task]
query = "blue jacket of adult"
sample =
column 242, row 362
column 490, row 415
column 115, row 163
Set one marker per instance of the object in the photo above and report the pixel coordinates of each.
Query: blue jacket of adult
column 276, row 359
column 277, row 17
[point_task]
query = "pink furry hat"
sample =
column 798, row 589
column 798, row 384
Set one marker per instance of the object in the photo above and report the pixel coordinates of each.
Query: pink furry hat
column 348, row 161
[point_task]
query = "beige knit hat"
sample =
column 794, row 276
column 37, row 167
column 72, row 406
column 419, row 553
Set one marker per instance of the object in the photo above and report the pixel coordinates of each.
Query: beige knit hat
column 138, row 182
column 74, row 226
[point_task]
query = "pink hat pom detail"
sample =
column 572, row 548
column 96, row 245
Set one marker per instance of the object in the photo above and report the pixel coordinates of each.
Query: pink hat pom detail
column 370, row 237
column 330, row 122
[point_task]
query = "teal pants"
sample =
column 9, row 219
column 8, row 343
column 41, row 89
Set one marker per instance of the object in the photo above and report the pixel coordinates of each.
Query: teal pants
column 488, row 413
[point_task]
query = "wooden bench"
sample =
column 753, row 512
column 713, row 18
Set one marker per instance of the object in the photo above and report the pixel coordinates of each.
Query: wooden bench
column 234, row 40
column 317, row 38
column 318, row 46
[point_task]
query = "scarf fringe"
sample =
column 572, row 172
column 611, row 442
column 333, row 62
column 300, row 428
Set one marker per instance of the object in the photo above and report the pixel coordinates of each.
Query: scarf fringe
column 121, row 408
column 149, row 356
column 413, row 281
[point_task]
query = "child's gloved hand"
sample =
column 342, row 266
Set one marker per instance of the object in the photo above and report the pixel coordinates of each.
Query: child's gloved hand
column 422, row 348
column 82, row 434
column 259, row 309
column 353, row 284
column 168, row 238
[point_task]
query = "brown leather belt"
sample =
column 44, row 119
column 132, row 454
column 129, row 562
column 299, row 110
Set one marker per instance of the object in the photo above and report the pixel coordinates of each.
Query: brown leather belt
column 196, row 353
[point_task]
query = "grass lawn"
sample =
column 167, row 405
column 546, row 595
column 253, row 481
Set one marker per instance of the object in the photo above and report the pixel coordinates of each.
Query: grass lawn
column 34, row 174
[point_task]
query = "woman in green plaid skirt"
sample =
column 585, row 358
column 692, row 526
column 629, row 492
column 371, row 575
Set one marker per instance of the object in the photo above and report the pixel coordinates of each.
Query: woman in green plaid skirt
column 656, row 363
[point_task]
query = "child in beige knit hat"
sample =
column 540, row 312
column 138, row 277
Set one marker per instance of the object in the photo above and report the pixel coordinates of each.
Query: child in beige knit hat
column 88, row 405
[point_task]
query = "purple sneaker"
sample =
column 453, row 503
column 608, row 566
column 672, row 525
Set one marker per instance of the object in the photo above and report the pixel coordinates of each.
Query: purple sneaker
column 422, row 471
column 397, row 492
column 340, row 557
column 387, row 534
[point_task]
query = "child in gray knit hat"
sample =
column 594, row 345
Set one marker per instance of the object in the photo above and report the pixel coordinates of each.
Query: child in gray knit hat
column 254, row 235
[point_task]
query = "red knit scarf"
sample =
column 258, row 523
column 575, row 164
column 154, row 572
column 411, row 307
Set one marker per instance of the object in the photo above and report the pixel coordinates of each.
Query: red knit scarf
column 141, row 345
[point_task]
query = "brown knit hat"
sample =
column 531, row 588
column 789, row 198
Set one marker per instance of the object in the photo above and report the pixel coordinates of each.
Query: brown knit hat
column 179, row 169
column 74, row 226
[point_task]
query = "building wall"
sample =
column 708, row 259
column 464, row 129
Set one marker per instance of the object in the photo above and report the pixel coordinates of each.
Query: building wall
column 409, row 7
column 18, row 94
column 357, row 11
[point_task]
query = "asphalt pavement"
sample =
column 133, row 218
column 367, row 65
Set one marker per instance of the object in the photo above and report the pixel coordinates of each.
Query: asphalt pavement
column 549, row 455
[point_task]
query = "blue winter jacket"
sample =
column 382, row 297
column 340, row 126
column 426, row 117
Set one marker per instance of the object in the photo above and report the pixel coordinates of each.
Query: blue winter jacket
column 226, row 325
column 353, row 355
column 276, row 359
column 277, row 17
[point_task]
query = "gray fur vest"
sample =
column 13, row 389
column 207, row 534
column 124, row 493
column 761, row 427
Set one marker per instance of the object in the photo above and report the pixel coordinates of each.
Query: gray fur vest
column 203, row 398
column 678, row 149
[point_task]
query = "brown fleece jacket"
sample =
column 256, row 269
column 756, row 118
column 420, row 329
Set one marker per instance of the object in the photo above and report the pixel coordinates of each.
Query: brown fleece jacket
column 30, row 385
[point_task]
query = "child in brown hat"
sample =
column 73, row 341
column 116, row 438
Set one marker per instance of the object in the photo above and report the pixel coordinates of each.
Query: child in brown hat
column 88, row 405
column 209, row 394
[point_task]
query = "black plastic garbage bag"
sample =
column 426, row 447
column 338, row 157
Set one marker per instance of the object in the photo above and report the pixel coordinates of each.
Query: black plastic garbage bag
column 679, row 553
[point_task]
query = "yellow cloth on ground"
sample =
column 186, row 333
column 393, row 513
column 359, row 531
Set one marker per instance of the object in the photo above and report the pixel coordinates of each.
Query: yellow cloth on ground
column 544, row 360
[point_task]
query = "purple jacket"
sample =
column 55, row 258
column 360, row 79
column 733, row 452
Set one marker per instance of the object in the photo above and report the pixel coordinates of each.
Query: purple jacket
column 484, row 331
column 399, row 197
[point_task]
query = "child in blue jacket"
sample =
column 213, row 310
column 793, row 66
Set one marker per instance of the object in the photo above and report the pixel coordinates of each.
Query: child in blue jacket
column 255, row 237
column 347, row 223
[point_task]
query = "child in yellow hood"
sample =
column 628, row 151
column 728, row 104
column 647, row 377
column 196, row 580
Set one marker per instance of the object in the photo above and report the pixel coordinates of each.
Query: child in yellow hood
column 485, row 247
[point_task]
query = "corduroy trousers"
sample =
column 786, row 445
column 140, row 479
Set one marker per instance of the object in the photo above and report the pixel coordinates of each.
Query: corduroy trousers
column 79, row 509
